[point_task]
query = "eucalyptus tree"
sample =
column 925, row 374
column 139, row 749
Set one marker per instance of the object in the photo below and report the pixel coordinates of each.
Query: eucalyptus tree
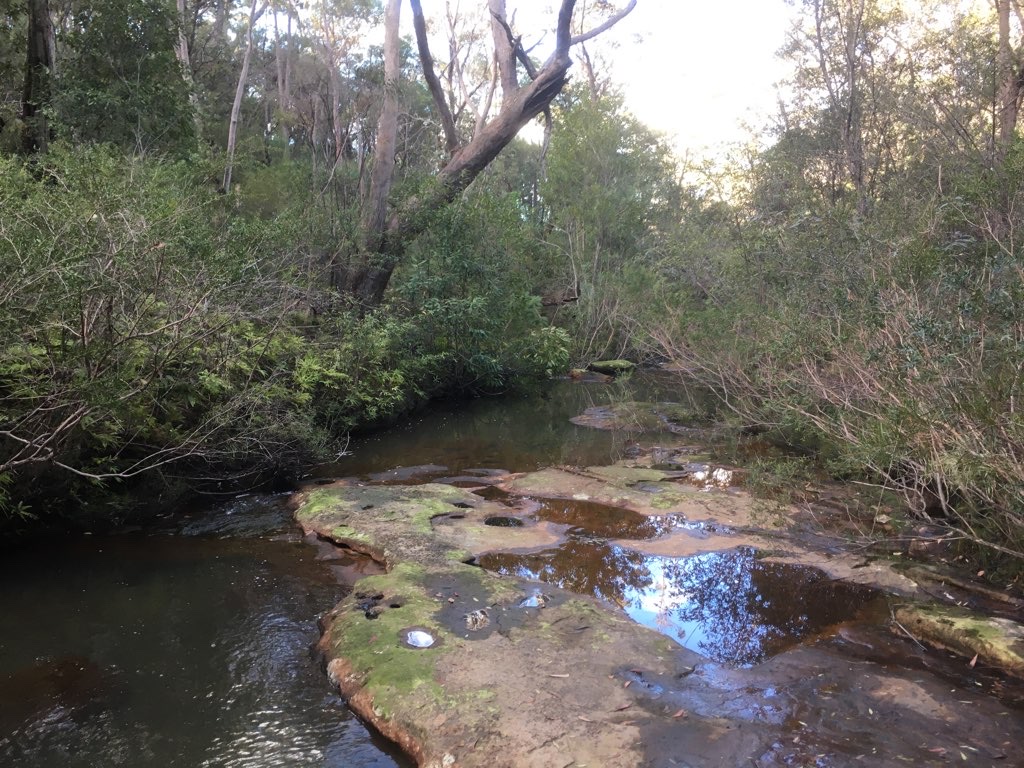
column 851, row 65
column 39, row 70
column 387, row 230
column 236, row 106
column 118, row 77
column 612, row 205
column 338, row 27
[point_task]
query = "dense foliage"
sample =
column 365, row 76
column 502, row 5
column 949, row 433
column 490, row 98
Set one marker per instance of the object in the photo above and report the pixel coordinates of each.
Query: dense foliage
column 852, row 281
column 863, row 295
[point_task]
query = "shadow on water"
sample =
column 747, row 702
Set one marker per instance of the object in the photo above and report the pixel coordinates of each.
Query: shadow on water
column 728, row 606
column 186, row 648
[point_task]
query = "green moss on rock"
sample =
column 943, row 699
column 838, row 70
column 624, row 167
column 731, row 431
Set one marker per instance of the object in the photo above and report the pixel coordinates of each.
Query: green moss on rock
column 373, row 647
column 996, row 641
column 611, row 367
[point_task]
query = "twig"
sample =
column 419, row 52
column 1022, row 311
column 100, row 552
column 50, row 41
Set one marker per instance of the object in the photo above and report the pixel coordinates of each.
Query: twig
column 909, row 634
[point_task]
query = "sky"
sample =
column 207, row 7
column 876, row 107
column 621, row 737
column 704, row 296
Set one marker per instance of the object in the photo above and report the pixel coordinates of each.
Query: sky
column 696, row 69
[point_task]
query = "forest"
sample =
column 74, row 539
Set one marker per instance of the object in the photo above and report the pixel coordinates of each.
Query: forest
column 232, row 234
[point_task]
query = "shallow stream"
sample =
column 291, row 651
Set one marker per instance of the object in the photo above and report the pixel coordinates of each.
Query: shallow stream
column 190, row 645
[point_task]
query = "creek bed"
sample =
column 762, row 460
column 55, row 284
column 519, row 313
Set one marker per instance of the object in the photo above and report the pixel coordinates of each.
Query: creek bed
column 190, row 646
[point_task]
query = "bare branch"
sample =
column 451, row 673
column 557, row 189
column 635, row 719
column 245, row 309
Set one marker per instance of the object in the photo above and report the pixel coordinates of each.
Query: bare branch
column 485, row 109
column 608, row 24
column 451, row 135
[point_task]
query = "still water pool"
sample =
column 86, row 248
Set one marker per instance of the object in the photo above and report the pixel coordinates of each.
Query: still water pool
column 188, row 648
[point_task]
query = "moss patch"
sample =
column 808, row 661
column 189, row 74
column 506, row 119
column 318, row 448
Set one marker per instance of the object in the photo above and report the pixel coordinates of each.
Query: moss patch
column 996, row 641
column 343, row 533
column 624, row 477
column 612, row 367
column 317, row 504
column 373, row 647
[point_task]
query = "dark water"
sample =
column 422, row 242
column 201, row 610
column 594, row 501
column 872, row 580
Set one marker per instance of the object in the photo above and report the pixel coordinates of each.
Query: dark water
column 186, row 648
column 518, row 434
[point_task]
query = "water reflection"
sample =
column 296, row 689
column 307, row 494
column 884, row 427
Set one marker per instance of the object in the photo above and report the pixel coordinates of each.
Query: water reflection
column 171, row 650
column 589, row 518
column 729, row 606
column 518, row 434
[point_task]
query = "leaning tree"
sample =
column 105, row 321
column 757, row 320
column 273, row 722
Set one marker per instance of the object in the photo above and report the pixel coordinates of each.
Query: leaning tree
column 386, row 227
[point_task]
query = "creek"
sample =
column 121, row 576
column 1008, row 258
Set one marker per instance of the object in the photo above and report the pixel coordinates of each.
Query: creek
column 188, row 644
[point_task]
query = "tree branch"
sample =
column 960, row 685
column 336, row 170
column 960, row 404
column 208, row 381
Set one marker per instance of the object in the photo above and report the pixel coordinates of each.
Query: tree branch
column 563, row 36
column 516, row 44
column 608, row 24
column 451, row 135
column 504, row 47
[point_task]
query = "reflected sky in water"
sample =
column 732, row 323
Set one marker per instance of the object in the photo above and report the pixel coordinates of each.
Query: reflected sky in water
column 729, row 606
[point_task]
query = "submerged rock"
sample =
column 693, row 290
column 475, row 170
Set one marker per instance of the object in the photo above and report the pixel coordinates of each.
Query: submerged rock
column 642, row 417
column 584, row 376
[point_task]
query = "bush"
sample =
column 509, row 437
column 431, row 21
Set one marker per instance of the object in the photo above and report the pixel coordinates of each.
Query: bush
column 151, row 328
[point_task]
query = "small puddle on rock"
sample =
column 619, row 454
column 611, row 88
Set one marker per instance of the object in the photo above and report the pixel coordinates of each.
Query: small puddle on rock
column 493, row 493
column 728, row 606
column 589, row 518
column 501, row 521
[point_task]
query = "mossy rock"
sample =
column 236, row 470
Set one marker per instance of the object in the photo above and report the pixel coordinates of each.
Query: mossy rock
column 995, row 641
column 474, row 698
column 391, row 523
column 612, row 367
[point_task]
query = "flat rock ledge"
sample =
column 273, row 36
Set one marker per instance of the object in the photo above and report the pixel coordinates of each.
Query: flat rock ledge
column 546, row 679
column 461, row 667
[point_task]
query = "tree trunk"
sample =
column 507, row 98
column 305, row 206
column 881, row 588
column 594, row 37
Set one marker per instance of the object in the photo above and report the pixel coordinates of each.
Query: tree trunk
column 385, row 238
column 375, row 210
column 185, row 61
column 283, row 100
column 236, row 107
column 1009, row 78
column 39, row 69
column 334, row 88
